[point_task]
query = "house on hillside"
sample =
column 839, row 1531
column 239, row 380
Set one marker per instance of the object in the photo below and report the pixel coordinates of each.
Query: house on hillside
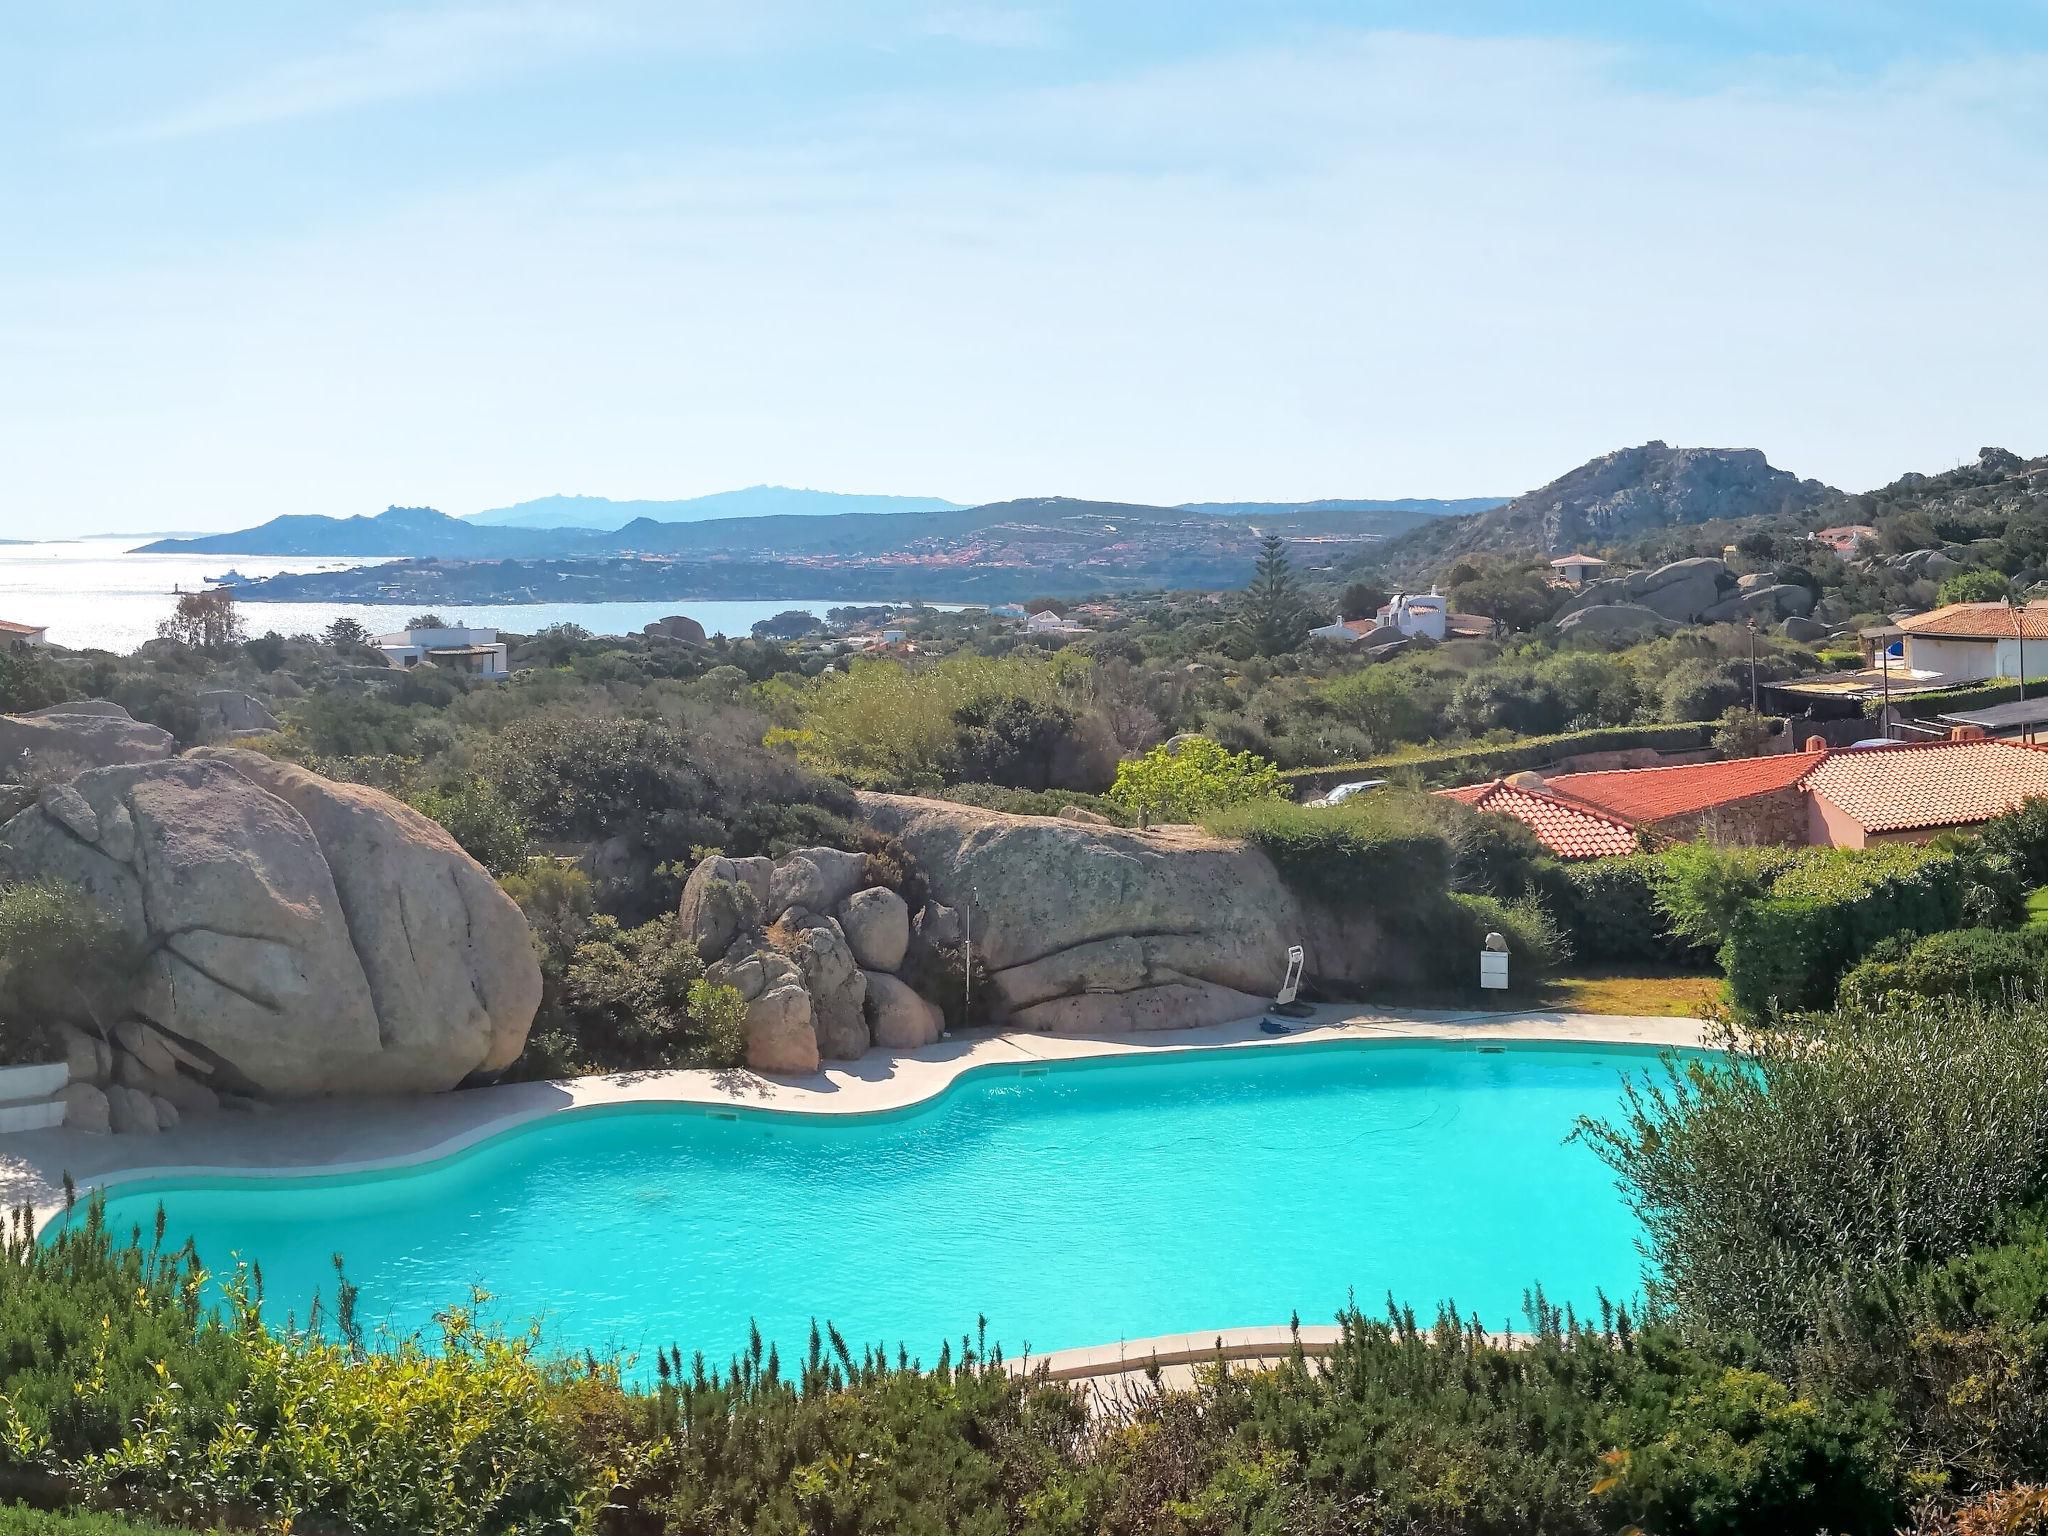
column 1909, row 792
column 1046, row 622
column 1576, row 570
column 1849, row 797
column 1973, row 642
column 1846, row 539
column 478, row 652
column 1417, row 613
column 12, row 633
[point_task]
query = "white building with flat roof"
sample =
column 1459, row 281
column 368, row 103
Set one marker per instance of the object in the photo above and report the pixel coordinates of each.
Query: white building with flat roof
column 478, row 652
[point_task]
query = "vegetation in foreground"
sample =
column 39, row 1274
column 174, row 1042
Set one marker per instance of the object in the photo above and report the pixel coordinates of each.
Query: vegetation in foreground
column 1851, row 1234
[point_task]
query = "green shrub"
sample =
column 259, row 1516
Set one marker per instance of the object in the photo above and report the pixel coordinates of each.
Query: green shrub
column 1463, row 765
column 20, row 1520
column 62, row 960
column 91, row 1323
column 1382, row 851
column 1774, row 1189
column 1608, row 908
column 1537, row 947
column 1985, row 963
column 1034, row 802
column 1700, row 887
column 1827, row 909
column 481, row 821
column 2021, row 838
column 1188, row 781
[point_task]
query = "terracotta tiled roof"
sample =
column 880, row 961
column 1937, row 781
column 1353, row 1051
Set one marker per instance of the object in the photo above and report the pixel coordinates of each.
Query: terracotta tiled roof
column 1641, row 795
column 1567, row 830
column 1930, row 784
column 9, row 627
column 1978, row 621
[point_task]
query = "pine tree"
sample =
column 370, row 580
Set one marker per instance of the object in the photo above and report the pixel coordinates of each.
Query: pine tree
column 1272, row 616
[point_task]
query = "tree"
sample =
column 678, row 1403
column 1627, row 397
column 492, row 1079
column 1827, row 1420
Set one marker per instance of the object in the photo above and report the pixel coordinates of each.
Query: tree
column 266, row 650
column 62, row 959
column 345, row 634
column 1272, row 617
column 1050, row 605
column 482, row 821
column 204, row 620
column 790, row 624
column 1975, row 586
column 557, row 644
column 1361, row 600
column 1181, row 783
column 1742, row 732
column 426, row 621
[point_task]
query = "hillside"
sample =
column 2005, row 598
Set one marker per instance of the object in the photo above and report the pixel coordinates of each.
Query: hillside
column 1010, row 550
column 602, row 514
column 1620, row 495
column 953, row 535
column 395, row 531
column 1424, row 506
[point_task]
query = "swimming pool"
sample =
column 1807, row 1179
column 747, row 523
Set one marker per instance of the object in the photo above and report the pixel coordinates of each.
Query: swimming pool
column 1092, row 1201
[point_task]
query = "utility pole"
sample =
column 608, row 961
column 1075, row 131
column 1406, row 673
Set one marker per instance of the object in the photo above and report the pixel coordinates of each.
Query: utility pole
column 1752, row 665
column 2019, row 629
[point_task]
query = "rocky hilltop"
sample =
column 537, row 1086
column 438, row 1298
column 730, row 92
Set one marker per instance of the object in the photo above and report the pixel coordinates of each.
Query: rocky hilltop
column 1617, row 496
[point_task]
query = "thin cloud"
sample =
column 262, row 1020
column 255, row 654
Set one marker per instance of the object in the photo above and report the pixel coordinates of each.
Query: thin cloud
column 392, row 58
column 993, row 26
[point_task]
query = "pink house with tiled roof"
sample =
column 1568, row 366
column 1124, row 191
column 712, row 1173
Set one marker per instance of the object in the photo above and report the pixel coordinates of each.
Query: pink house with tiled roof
column 1567, row 830
column 1910, row 791
column 1845, row 798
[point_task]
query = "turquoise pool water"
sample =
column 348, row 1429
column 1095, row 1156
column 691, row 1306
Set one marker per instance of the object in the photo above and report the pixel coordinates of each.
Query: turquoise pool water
column 1084, row 1204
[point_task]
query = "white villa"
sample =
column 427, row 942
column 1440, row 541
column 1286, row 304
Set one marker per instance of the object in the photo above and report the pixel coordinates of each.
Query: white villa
column 1426, row 613
column 12, row 633
column 1049, row 623
column 478, row 652
column 1574, row 570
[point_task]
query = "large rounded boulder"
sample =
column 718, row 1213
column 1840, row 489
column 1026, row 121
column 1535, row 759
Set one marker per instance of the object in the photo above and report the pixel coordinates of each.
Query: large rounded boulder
column 301, row 936
column 1088, row 930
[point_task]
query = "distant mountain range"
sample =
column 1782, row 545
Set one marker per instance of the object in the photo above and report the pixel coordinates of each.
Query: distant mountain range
column 1039, row 545
column 793, row 522
column 607, row 516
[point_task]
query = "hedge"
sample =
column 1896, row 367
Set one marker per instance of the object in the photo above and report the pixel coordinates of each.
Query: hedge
column 1947, row 701
column 1458, row 765
column 1829, row 910
column 1984, row 963
column 1608, row 908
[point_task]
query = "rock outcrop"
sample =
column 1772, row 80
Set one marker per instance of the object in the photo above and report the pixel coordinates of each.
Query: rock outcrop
column 72, row 741
column 678, row 627
column 299, row 936
column 898, row 1019
column 1087, row 929
column 228, row 712
column 877, row 927
column 1623, row 620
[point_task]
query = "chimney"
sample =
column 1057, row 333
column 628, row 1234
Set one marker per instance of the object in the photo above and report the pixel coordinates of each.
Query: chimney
column 1816, row 744
column 1966, row 733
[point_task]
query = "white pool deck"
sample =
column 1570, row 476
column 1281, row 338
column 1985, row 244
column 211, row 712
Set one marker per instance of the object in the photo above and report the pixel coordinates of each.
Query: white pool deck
column 333, row 1136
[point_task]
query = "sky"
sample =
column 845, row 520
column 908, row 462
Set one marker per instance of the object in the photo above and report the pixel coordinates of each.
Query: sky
column 268, row 256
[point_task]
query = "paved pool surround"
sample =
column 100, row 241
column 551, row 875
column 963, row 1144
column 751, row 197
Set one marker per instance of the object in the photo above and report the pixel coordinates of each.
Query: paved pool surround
column 358, row 1135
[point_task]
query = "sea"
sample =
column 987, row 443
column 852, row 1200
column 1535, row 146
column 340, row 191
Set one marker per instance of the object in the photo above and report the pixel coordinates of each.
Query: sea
column 99, row 594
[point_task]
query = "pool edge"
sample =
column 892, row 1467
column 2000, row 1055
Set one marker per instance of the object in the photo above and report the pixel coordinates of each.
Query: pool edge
column 994, row 1055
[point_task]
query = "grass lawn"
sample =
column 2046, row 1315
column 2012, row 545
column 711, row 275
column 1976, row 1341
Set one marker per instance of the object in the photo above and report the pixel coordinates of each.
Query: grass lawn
column 2037, row 908
column 1661, row 994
